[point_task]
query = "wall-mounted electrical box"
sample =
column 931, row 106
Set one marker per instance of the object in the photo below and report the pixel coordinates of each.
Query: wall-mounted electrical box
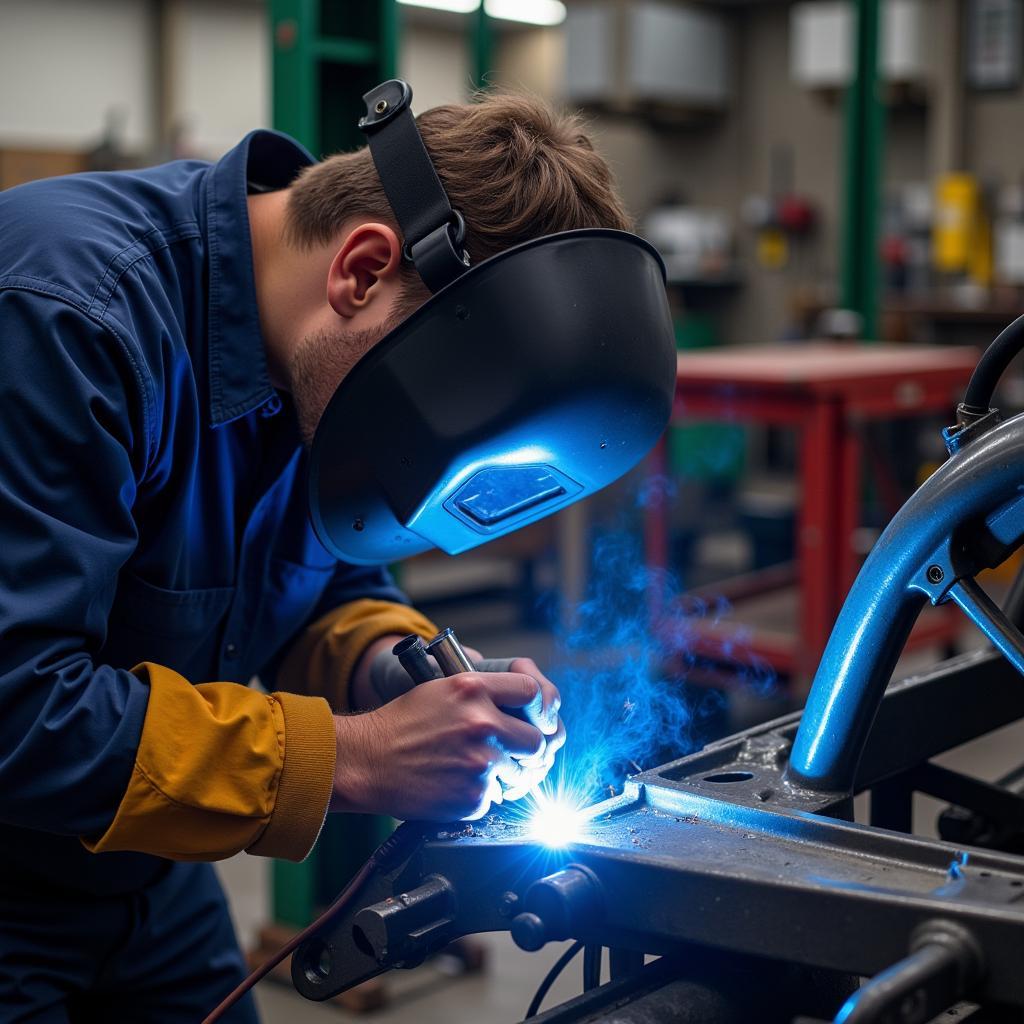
column 822, row 40
column 643, row 53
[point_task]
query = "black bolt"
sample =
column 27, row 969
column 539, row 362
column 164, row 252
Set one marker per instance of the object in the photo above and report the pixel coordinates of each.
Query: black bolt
column 529, row 932
column 461, row 312
column 507, row 904
column 358, row 525
column 935, row 574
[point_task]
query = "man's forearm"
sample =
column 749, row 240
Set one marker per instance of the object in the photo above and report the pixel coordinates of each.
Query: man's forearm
column 362, row 695
column 333, row 656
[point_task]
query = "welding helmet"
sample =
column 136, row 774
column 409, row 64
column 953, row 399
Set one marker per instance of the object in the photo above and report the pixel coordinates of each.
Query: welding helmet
column 522, row 385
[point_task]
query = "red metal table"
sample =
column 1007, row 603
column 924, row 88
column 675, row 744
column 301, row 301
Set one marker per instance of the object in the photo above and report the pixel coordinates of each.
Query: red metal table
column 824, row 391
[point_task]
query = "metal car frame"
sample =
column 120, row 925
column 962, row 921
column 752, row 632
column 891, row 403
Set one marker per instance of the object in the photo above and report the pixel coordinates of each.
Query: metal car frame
column 739, row 866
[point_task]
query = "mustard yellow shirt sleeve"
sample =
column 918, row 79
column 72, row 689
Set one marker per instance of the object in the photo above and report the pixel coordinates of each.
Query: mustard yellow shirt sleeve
column 222, row 768
column 321, row 661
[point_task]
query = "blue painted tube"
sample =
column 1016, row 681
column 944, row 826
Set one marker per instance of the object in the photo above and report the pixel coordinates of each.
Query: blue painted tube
column 886, row 598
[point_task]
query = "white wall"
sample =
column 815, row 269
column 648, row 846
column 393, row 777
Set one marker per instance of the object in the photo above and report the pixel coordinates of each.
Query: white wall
column 435, row 61
column 64, row 65
column 220, row 71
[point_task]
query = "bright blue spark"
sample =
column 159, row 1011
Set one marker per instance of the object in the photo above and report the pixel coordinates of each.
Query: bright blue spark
column 556, row 821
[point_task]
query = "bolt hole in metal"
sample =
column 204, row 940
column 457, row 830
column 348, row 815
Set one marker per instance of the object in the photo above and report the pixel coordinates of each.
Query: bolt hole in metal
column 729, row 777
column 319, row 962
column 935, row 574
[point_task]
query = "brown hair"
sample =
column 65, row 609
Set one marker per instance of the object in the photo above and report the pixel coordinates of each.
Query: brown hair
column 513, row 166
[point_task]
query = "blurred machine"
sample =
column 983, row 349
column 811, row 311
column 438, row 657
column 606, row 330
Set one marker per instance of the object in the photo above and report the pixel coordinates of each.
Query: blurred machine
column 696, row 244
column 740, row 866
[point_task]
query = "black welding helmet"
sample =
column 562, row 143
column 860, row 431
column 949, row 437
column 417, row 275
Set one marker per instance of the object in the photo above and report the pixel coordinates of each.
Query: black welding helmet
column 521, row 386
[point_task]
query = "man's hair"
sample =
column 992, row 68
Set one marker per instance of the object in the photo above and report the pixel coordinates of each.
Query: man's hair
column 515, row 168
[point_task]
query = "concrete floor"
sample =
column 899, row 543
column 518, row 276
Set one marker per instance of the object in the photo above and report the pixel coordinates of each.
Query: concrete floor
column 500, row 994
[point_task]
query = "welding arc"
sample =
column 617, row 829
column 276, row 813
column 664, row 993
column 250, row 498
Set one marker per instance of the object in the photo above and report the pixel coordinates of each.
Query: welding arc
column 403, row 836
column 545, row 986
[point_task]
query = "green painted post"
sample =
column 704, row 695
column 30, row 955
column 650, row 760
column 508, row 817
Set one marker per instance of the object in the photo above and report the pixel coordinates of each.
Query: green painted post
column 389, row 38
column 865, row 129
column 296, row 107
column 482, row 40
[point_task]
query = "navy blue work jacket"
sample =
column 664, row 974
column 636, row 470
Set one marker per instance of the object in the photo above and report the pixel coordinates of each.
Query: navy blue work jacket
column 152, row 492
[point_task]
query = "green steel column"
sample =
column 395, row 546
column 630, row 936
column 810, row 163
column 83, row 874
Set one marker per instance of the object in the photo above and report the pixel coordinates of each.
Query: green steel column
column 865, row 129
column 296, row 99
column 389, row 29
column 482, row 38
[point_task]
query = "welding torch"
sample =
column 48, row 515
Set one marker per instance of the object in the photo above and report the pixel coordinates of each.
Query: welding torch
column 414, row 656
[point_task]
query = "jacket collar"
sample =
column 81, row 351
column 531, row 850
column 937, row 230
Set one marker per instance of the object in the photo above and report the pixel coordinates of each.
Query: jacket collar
column 238, row 376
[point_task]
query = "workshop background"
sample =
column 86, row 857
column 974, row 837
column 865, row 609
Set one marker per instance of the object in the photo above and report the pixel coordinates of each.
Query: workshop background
column 841, row 214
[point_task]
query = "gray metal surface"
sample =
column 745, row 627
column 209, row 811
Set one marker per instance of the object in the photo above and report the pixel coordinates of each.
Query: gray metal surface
column 683, row 860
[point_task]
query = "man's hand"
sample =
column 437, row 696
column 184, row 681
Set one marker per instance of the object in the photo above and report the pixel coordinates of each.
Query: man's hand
column 543, row 713
column 436, row 752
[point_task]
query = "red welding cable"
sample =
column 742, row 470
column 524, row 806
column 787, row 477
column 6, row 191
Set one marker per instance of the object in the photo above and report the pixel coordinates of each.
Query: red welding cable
column 399, row 838
column 291, row 945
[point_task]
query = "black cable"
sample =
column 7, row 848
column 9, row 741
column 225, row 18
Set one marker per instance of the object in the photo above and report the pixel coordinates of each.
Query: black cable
column 399, row 844
column 549, row 979
column 592, row 956
column 991, row 366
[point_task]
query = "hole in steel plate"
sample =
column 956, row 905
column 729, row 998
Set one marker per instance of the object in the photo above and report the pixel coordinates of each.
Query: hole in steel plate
column 318, row 963
column 729, row 777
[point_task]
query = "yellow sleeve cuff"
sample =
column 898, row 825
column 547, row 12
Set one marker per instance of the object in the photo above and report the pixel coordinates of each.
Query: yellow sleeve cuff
column 306, row 782
column 323, row 658
column 221, row 768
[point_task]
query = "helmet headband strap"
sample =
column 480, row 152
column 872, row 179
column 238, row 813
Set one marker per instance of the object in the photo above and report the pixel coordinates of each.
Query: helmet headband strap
column 434, row 231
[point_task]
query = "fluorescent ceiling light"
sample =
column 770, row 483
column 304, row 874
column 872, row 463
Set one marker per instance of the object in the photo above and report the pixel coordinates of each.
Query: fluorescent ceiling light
column 533, row 12
column 455, row 6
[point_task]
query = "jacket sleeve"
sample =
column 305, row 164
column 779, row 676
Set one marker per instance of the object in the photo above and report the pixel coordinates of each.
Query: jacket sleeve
column 321, row 661
column 128, row 760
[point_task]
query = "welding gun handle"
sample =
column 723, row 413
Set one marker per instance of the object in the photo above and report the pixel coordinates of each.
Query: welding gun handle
column 449, row 653
column 452, row 659
column 412, row 654
column 446, row 650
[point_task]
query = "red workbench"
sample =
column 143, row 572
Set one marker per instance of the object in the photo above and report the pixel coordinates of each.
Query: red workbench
column 824, row 391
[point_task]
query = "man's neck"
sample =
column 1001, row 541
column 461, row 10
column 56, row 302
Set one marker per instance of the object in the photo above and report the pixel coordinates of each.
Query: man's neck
column 290, row 282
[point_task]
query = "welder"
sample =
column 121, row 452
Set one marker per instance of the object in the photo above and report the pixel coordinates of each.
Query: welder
column 171, row 338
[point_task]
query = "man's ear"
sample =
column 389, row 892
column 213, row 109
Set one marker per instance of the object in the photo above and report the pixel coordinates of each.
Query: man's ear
column 369, row 257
